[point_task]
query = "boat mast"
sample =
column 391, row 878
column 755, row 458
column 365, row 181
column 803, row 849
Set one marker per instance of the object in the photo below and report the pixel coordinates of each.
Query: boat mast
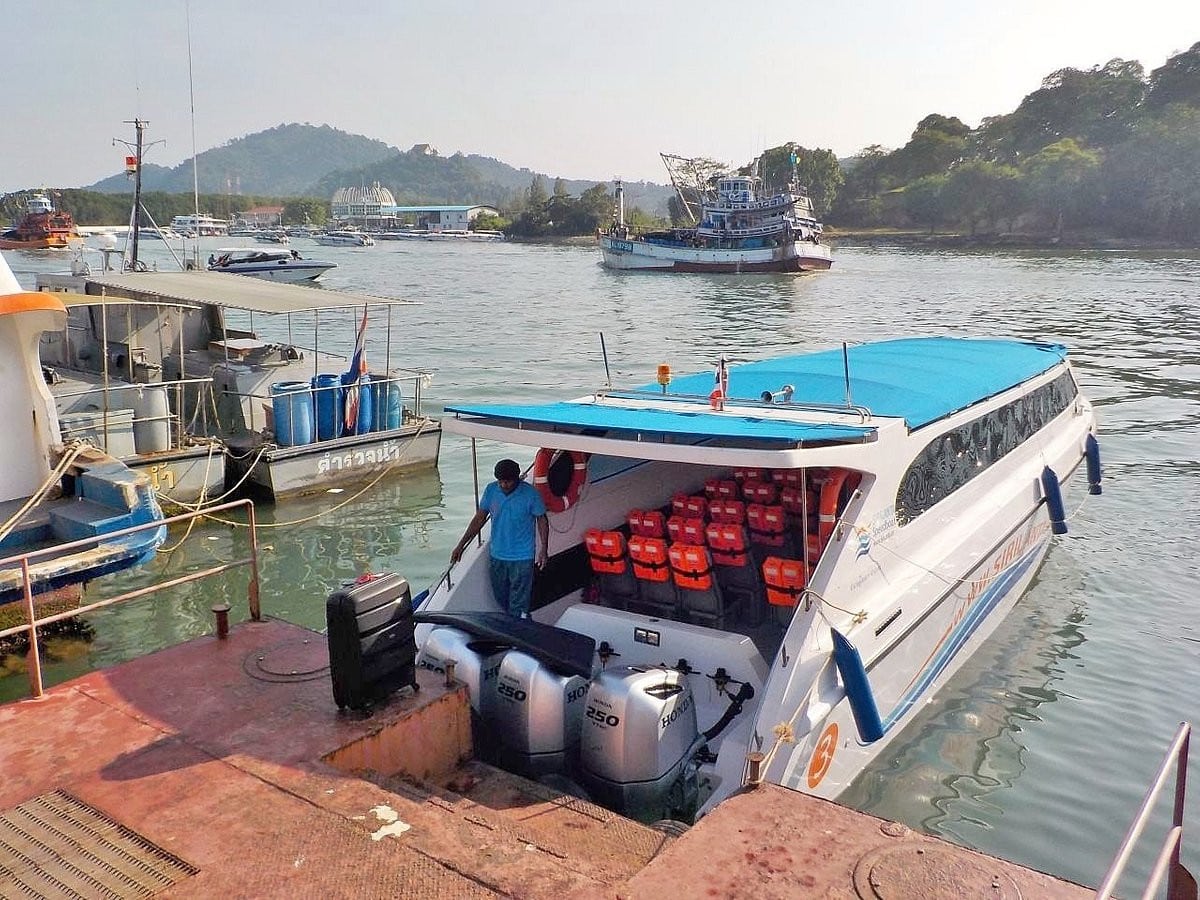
column 139, row 127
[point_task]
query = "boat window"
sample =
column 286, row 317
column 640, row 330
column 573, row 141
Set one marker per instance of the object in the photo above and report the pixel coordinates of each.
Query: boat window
column 955, row 457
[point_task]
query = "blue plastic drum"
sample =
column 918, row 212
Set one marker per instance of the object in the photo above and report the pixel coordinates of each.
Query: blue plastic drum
column 291, row 405
column 386, row 397
column 327, row 398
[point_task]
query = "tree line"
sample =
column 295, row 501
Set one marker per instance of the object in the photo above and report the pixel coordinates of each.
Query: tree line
column 1109, row 149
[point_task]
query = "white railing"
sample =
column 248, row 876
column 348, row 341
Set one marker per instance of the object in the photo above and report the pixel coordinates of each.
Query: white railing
column 32, row 622
column 1180, row 884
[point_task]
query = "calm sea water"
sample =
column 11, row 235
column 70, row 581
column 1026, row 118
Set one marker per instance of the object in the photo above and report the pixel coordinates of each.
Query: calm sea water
column 1043, row 745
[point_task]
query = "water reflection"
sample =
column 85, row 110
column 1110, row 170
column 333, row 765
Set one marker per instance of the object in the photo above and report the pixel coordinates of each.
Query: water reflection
column 1054, row 728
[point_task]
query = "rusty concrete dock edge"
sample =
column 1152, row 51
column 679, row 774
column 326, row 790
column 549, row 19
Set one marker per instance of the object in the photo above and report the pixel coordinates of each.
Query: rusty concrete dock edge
column 230, row 756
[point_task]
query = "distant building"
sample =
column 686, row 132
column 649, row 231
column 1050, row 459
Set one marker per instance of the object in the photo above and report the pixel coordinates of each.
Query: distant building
column 375, row 207
column 436, row 218
column 423, row 149
column 363, row 205
column 261, row 215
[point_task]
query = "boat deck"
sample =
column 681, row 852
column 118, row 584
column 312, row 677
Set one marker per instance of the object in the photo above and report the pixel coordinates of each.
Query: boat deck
column 223, row 768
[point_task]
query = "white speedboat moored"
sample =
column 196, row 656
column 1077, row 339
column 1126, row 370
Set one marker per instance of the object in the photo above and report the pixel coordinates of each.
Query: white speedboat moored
column 344, row 238
column 769, row 575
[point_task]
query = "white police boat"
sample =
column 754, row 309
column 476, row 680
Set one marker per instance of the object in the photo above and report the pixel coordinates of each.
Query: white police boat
column 764, row 578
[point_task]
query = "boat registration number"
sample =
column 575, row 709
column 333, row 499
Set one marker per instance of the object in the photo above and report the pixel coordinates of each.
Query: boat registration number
column 621, row 246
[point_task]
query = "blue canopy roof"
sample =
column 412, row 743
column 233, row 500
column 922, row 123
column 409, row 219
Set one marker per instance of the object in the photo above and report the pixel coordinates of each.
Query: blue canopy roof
column 919, row 380
column 699, row 425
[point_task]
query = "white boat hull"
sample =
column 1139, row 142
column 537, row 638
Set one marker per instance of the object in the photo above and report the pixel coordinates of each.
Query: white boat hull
column 282, row 273
column 795, row 256
column 339, row 463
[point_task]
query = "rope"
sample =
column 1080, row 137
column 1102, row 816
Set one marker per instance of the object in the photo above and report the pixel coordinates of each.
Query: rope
column 412, row 439
column 52, row 479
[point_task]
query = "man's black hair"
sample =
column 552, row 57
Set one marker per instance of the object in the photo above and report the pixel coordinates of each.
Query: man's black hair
column 507, row 470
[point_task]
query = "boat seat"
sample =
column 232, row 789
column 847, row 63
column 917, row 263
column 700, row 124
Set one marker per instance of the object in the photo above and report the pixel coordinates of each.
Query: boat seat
column 611, row 567
column 721, row 489
column 657, row 595
column 700, row 595
column 685, row 530
column 784, row 579
column 743, row 475
column 769, row 529
column 647, row 523
column 739, row 577
column 732, row 511
column 758, row 491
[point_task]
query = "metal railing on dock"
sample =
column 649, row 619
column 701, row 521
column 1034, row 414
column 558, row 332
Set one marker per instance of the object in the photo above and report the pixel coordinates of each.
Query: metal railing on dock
column 1180, row 883
column 32, row 623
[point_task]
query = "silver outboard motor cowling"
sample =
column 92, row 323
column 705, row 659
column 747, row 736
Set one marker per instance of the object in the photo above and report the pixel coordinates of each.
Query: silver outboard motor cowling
column 638, row 728
column 535, row 715
column 476, row 663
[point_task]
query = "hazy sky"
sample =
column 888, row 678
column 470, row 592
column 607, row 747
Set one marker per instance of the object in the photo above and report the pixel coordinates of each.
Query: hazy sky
column 577, row 89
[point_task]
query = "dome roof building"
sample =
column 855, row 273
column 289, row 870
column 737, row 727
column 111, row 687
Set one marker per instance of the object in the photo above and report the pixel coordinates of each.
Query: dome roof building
column 362, row 204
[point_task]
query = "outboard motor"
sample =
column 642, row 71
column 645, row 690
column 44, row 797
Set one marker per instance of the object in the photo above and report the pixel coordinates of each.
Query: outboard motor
column 476, row 664
column 638, row 730
column 535, row 715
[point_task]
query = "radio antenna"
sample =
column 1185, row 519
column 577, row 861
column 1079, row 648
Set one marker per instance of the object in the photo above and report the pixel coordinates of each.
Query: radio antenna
column 604, row 353
column 846, row 368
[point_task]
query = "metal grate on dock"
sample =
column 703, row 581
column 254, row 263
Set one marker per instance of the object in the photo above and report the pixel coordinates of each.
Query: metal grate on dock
column 56, row 846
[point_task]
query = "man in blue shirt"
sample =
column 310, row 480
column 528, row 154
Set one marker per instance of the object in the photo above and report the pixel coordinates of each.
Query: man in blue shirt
column 515, row 507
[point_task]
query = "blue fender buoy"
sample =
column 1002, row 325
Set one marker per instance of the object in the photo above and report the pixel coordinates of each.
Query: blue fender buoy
column 858, row 688
column 1091, row 452
column 1054, row 501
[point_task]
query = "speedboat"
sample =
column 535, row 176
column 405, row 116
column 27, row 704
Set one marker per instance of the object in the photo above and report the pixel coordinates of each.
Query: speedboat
column 273, row 265
column 344, row 238
column 53, row 493
column 739, row 227
column 763, row 572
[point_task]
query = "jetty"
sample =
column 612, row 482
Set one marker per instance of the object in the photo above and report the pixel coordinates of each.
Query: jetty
column 222, row 767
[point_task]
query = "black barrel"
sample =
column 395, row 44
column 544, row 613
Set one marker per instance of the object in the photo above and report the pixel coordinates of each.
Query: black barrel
column 372, row 648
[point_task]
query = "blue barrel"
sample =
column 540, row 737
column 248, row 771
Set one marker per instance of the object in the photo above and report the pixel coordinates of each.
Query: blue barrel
column 386, row 398
column 327, row 398
column 366, row 409
column 291, row 405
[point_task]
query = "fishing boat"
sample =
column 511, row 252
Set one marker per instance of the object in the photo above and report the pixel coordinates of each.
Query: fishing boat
column 273, row 265
column 292, row 419
column 736, row 226
column 768, row 568
column 54, row 493
column 40, row 228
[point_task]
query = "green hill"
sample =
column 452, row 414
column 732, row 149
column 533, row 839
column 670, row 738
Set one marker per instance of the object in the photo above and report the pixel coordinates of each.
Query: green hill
column 314, row 161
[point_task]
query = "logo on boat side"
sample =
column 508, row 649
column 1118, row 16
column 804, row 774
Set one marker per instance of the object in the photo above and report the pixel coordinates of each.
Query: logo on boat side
column 822, row 757
column 864, row 544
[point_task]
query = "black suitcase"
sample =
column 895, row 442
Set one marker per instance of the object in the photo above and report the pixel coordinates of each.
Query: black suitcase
column 372, row 649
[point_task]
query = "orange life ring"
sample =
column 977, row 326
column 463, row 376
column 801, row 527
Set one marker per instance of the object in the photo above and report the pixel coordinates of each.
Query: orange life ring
column 831, row 489
column 543, row 462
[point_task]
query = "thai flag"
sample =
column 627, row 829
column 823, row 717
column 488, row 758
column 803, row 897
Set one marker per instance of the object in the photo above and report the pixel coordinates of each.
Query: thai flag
column 358, row 368
column 721, row 379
